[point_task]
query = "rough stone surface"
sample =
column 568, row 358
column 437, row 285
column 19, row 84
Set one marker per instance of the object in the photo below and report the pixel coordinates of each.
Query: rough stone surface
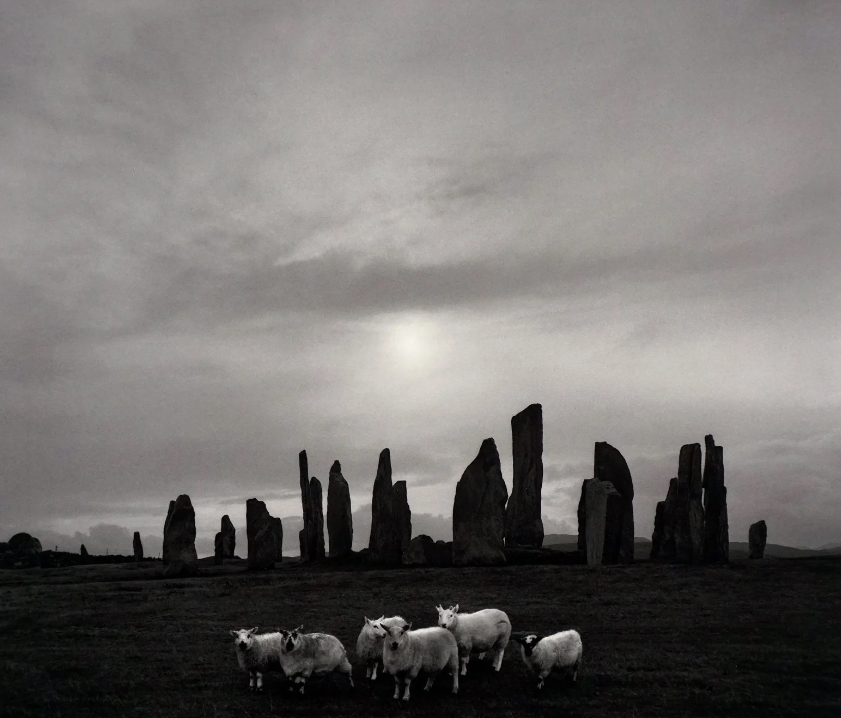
column 264, row 534
column 391, row 518
column 689, row 512
column 229, row 537
column 757, row 536
column 423, row 551
column 311, row 537
column 599, row 499
column 610, row 466
column 218, row 557
column 339, row 515
column 523, row 523
column 716, row 529
column 479, row 511
column 179, row 548
column 23, row 544
column 657, row 535
column 669, row 550
column 137, row 546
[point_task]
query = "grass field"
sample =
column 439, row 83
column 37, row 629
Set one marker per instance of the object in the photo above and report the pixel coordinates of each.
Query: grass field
column 759, row 639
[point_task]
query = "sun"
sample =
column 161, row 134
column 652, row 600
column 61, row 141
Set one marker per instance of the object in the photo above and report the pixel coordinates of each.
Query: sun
column 411, row 342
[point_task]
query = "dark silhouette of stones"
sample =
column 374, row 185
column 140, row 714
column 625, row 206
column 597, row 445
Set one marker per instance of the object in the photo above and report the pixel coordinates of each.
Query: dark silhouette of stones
column 391, row 517
column 179, row 549
column 757, row 536
column 479, row 511
column 423, row 551
column 311, row 537
column 22, row 544
column 264, row 534
column 689, row 512
column 716, row 529
column 523, row 524
column 668, row 550
column 657, row 535
column 218, row 558
column 339, row 515
column 83, row 552
column 599, row 508
column 610, row 466
column 137, row 546
column 229, row 537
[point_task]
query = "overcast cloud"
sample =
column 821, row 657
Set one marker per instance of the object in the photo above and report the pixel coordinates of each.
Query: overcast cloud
column 233, row 231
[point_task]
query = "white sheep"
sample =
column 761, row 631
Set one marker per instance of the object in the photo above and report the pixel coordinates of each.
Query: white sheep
column 407, row 653
column 485, row 630
column 543, row 654
column 303, row 654
column 369, row 645
column 257, row 654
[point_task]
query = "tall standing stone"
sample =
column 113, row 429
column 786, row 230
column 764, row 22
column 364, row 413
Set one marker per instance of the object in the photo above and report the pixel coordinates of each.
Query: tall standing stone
column 179, row 548
column 669, row 549
column 83, row 552
column 264, row 533
column 757, row 536
column 689, row 513
column 137, row 546
column 716, row 529
column 479, row 511
column 599, row 500
column 610, row 466
column 523, row 523
column 339, row 516
column 229, row 537
column 657, row 535
column 391, row 518
column 311, row 537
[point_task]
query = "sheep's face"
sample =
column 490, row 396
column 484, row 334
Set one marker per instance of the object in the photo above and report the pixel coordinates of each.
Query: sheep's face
column 528, row 642
column 395, row 636
column 244, row 638
column 376, row 627
column 447, row 616
column 290, row 639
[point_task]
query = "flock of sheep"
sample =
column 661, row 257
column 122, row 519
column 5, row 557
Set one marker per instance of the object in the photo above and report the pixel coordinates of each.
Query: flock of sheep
column 403, row 652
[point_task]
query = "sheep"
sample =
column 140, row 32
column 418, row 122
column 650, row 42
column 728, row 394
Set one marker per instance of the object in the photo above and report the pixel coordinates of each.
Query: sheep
column 486, row 630
column 542, row 654
column 303, row 654
column 256, row 654
column 410, row 652
column 369, row 645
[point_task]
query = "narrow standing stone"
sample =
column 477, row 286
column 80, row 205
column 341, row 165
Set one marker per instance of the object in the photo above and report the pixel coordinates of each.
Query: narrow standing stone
column 179, row 547
column 264, row 533
column 339, row 515
column 137, row 546
column 757, row 536
column 689, row 514
column 610, row 466
column 523, row 523
column 716, row 529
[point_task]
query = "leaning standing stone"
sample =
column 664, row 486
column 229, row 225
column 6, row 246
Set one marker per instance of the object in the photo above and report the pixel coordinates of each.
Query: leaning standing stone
column 137, row 545
column 757, row 536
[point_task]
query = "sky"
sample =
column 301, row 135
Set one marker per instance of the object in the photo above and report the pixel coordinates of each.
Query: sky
column 232, row 231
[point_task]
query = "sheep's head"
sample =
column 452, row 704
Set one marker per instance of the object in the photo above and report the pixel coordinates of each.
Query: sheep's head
column 244, row 638
column 376, row 626
column 447, row 616
column 528, row 642
column 290, row 639
column 395, row 635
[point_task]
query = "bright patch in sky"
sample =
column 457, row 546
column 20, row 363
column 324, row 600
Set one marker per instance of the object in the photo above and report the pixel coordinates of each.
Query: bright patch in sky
column 411, row 342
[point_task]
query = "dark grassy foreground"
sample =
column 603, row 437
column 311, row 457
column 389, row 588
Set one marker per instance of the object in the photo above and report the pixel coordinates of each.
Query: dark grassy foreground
column 745, row 640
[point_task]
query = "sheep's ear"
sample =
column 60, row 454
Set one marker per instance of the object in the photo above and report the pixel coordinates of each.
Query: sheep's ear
column 299, row 629
column 455, row 608
column 234, row 633
column 252, row 631
column 380, row 618
column 367, row 621
column 438, row 608
column 407, row 627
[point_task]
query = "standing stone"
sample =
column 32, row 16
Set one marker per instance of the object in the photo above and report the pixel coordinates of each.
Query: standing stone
column 423, row 551
column 339, row 516
column 757, row 536
column 84, row 552
column 610, row 466
column 137, row 546
column 479, row 511
column 229, row 537
column 523, row 524
column 599, row 499
column 391, row 518
column 179, row 549
column 657, row 536
column 218, row 550
column 689, row 513
column 264, row 533
column 716, row 530
column 311, row 537
column 669, row 550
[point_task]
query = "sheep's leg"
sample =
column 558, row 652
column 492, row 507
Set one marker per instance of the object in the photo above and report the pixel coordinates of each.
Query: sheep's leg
column 482, row 656
column 541, row 677
column 303, row 680
column 259, row 681
column 368, row 671
column 465, row 658
column 498, row 655
column 396, row 687
column 429, row 681
column 454, row 669
column 373, row 671
column 347, row 669
column 408, row 681
column 251, row 680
